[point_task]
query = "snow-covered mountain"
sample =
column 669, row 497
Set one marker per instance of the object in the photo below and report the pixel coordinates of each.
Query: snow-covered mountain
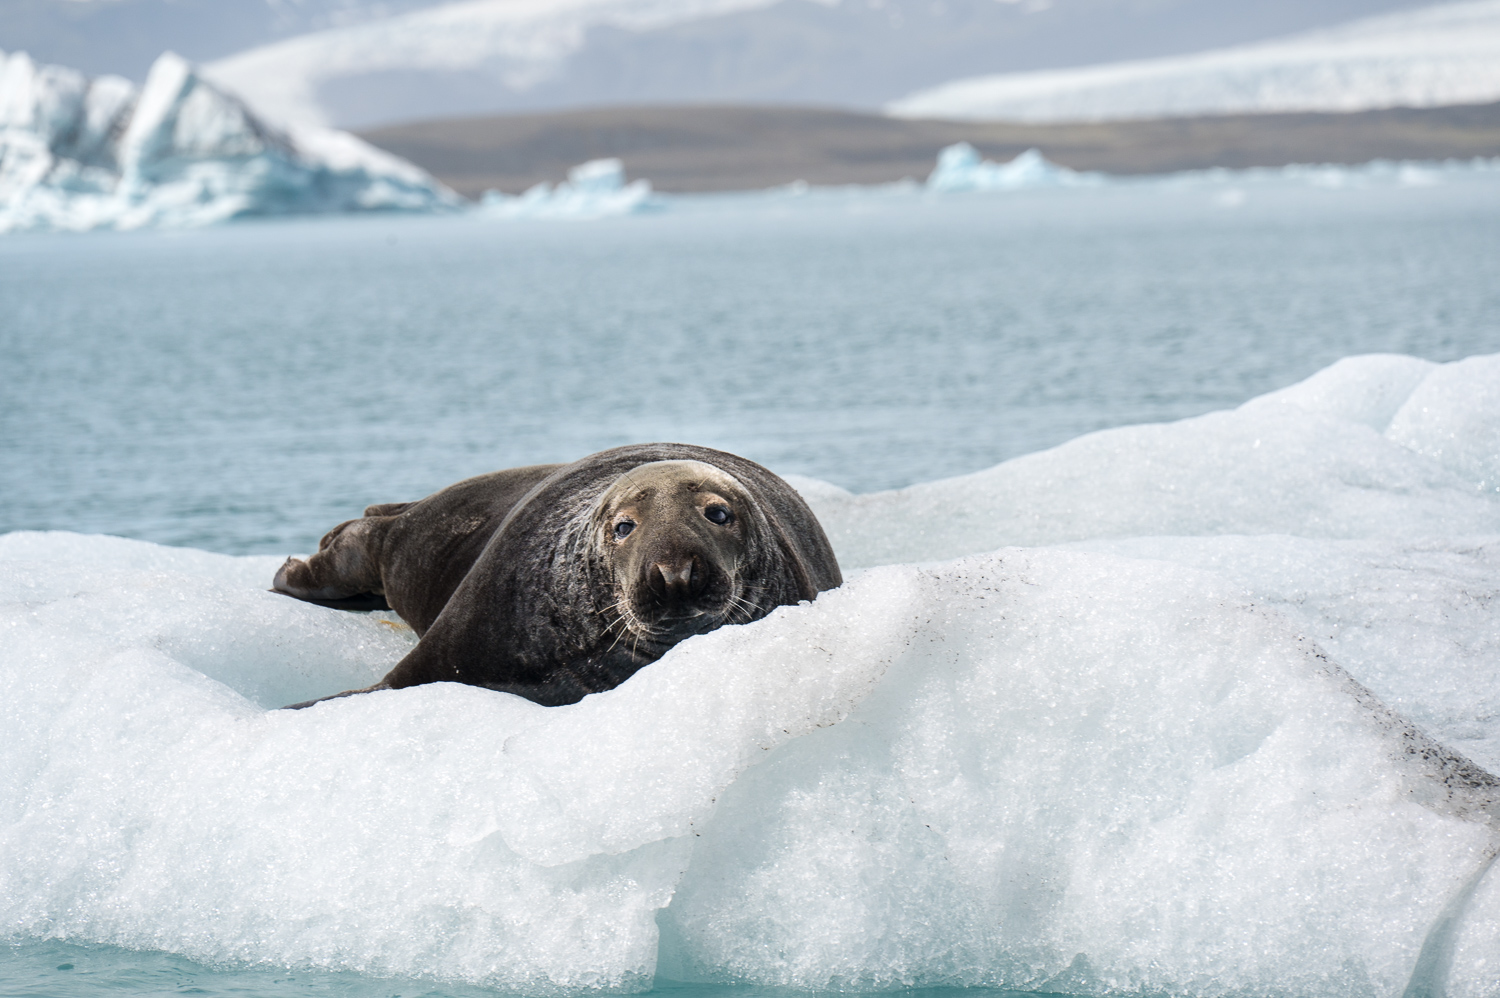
column 513, row 44
column 124, row 37
column 486, row 56
column 1437, row 56
column 77, row 153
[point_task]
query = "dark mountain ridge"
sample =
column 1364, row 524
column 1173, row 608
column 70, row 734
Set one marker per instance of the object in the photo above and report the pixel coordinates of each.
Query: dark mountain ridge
column 720, row 148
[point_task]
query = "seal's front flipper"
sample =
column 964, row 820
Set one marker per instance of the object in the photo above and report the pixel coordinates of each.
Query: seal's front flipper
column 382, row 685
column 359, row 602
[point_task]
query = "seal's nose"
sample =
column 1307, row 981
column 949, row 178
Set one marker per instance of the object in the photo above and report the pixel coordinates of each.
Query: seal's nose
column 677, row 576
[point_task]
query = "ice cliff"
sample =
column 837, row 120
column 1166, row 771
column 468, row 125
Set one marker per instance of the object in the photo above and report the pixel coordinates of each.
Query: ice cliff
column 81, row 154
column 1206, row 708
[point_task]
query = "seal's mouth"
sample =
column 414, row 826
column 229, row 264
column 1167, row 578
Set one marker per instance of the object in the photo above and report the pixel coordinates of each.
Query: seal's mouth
column 659, row 615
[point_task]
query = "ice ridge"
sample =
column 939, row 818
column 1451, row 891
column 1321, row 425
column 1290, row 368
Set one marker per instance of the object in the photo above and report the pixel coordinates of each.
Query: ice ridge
column 79, row 153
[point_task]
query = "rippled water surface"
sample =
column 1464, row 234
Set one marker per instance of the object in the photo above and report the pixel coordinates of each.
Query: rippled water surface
column 244, row 388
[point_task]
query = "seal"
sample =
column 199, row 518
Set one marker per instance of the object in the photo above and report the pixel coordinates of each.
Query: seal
column 556, row 581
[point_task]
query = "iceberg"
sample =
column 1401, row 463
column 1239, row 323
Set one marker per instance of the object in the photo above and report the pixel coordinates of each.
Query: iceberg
column 1206, row 708
column 596, row 189
column 960, row 168
column 78, row 154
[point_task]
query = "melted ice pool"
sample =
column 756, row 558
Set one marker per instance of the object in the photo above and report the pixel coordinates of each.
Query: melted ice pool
column 1206, row 707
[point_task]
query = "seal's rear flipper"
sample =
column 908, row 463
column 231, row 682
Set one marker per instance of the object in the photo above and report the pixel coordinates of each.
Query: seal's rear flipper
column 341, row 575
column 361, row 602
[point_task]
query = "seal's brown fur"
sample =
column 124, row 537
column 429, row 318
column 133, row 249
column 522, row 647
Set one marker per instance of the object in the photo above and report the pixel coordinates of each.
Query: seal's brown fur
column 556, row 581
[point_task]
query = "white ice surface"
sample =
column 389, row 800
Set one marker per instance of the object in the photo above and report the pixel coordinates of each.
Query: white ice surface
column 1111, row 748
column 80, row 154
column 1367, row 448
column 596, row 189
column 1432, row 56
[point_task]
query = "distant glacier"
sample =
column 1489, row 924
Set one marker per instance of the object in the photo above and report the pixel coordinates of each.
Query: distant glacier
column 79, row 154
column 410, row 61
column 1437, row 56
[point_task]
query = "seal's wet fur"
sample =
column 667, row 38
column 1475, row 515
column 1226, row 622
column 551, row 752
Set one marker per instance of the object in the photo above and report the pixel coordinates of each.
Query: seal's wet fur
column 556, row 581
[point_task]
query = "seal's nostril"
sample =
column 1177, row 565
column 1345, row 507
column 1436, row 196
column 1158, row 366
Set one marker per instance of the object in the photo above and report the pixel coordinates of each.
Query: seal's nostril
column 678, row 577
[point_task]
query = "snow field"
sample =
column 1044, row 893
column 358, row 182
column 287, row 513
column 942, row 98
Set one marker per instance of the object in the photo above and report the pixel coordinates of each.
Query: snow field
column 1113, row 747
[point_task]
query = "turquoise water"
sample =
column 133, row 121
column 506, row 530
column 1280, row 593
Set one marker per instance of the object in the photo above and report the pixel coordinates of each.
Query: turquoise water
column 242, row 389
column 61, row 970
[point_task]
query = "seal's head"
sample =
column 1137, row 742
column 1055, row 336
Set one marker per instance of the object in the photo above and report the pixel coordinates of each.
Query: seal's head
column 677, row 538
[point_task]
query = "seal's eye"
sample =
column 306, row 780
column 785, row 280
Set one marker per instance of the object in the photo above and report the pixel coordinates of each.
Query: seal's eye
column 719, row 515
column 623, row 529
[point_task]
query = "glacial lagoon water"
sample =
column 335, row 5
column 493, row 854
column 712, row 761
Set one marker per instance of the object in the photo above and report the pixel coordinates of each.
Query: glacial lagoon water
column 242, row 388
column 1126, row 752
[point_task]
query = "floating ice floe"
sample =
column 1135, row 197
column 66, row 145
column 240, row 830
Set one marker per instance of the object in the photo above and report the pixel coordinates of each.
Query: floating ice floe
column 1204, row 708
column 596, row 189
column 961, row 168
column 1378, row 173
column 80, row 154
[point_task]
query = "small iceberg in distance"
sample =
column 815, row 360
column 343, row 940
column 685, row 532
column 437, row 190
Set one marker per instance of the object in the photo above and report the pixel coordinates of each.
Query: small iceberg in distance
column 960, row 168
column 79, row 154
column 1377, row 173
column 596, row 189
